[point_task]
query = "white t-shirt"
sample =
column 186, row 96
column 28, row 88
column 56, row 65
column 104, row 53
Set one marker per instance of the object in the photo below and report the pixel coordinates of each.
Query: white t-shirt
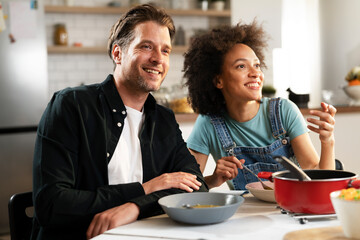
column 125, row 165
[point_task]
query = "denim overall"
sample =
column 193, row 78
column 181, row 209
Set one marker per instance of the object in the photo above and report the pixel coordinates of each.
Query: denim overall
column 256, row 158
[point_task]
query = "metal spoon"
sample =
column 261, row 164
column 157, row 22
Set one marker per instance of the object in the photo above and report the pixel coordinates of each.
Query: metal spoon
column 262, row 183
column 231, row 152
column 298, row 172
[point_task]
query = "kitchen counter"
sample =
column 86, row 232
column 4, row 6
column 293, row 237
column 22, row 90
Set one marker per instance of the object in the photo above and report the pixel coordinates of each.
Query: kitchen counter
column 340, row 109
column 191, row 117
column 254, row 220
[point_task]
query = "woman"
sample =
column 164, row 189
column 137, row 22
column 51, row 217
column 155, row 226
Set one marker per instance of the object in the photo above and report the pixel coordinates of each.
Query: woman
column 224, row 77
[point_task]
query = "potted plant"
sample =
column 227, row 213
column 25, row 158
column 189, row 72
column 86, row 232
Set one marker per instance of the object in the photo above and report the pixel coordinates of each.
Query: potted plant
column 352, row 89
column 353, row 77
column 268, row 91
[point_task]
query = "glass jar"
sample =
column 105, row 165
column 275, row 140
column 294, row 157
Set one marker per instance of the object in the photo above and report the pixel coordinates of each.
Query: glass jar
column 178, row 100
column 204, row 5
column 60, row 35
column 162, row 96
column 180, row 37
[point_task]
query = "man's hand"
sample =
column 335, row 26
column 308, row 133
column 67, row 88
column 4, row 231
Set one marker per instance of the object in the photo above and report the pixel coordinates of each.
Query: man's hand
column 112, row 218
column 181, row 180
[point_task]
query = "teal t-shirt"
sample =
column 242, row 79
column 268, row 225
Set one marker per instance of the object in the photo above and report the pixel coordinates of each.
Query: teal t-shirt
column 254, row 133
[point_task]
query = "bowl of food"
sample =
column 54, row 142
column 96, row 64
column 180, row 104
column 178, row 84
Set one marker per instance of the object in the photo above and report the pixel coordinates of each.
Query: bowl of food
column 353, row 85
column 200, row 207
column 256, row 189
column 353, row 76
column 346, row 203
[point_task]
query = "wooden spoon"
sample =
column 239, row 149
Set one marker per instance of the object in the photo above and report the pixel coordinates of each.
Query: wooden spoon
column 298, row 172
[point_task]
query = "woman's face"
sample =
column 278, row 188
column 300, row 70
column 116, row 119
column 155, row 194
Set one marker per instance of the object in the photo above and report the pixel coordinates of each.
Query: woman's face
column 241, row 78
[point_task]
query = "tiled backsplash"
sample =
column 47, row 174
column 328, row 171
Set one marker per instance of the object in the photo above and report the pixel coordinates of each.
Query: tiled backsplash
column 72, row 69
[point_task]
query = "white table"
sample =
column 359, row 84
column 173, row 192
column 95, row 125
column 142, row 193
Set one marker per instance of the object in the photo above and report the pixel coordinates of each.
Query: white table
column 254, row 220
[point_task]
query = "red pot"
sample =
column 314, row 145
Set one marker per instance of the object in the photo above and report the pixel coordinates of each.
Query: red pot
column 313, row 196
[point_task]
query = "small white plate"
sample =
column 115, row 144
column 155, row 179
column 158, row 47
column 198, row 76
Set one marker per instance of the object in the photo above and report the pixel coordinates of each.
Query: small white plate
column 256, row 189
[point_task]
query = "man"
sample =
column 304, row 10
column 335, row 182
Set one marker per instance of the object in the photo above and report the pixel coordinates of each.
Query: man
column 105, row 153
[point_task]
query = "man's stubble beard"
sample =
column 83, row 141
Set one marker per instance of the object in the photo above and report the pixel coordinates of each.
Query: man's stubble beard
column 143, row 85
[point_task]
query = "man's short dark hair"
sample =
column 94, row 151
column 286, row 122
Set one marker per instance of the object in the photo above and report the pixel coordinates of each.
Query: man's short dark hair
column 122, row 32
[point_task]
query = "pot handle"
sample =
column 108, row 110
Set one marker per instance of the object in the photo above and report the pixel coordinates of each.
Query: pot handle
column 355, row 183
column 266, row 175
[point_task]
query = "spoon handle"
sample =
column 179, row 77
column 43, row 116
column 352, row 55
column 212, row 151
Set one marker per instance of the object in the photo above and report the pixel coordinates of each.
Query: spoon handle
column 262, row 183
column 299, row 173
column 230, row 150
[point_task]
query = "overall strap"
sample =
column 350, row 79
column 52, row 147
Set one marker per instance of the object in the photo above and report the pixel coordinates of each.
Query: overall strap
column 223, row 134
column 275, row 119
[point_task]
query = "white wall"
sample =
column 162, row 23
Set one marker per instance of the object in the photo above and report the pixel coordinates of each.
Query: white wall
column 293, row 56
column 340, row 40
column 347, row 140
column 267, row 13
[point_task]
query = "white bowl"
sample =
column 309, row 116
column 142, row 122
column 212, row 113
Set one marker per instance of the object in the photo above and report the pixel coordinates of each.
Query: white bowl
column 348, row 213
column 353, row 91
column 256, row 189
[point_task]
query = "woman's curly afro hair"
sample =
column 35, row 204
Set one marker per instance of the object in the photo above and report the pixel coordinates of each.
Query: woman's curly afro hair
column 205, row 58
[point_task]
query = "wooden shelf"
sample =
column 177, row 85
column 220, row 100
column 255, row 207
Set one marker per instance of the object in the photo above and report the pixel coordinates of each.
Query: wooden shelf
column 96, row 50
column 117, row 10
column 340, row 109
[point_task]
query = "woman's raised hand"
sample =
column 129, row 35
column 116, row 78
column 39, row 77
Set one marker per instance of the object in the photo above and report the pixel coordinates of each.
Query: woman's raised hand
column 325, row 122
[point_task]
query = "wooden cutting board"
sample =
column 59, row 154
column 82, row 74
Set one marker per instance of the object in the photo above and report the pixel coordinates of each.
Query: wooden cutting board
column 326, row 233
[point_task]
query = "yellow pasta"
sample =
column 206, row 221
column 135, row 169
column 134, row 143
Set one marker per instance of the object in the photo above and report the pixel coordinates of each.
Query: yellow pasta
column 204, row 206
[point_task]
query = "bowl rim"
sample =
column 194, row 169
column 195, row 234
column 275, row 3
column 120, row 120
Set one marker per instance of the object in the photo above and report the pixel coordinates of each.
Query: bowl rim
column 279, row 175
column 248, row 187
column 239, row 201
column 352, row 86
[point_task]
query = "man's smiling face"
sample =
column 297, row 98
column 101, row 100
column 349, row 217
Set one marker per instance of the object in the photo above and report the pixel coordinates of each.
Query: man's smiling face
column 145, row 63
